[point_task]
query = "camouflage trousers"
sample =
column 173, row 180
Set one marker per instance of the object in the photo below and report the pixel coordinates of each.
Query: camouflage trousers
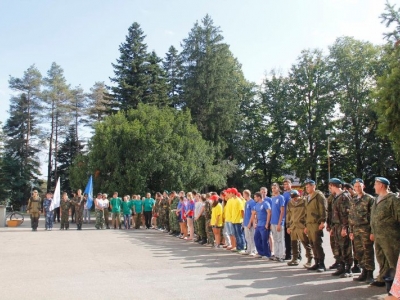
column 343, row 245
column 79, row 217
column 49, row 220
column 106, row 217
column 209, row 233
column 138, row 220
column 34, row 220
column 387, row 249
column 173, row 221
column 200, row 227
column 315, row 237
column 364, row 247
column 335, row 249
column 162, row 220
column 64, row 219
column 99, row 219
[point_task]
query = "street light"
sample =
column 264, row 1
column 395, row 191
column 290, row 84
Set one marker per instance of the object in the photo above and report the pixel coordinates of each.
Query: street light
column 328, row 132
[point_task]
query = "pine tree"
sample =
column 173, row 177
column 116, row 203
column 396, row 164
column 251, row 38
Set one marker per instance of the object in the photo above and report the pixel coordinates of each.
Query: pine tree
column 57, row 97
column 173, row 69
column 98, row 104
column 78, row 107
column 213, row 84
column 138, row 76
column 68, row 150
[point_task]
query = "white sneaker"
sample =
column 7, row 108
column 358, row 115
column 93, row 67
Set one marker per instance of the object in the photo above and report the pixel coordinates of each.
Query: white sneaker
column 243, row 252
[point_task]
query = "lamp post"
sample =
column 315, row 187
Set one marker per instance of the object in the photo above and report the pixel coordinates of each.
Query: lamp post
column 328, row 132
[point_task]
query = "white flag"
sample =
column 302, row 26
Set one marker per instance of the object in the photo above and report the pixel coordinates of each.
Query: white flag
column 56, row 197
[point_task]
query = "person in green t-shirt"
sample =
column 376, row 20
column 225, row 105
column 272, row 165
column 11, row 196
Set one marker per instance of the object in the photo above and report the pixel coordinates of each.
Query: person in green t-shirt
column 126, row 210
column 115, row 204
column 137, row 210
column 148, row 205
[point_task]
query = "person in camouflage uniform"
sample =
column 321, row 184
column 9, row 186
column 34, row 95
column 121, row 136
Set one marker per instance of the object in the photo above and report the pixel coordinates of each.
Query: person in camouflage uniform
column 99, row 210
column 164, row 212
column 65, row 205
column 340, row 217
column 173, row 218
column 156, row 211
column 330, row 227
column 385, row 228
column 360, row 231
column 79, row 202
column 34, row 208
column 200, row 222
column 207, row 215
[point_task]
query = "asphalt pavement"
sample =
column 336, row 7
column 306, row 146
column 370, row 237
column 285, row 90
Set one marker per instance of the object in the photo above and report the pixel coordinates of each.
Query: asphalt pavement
column 149, row 264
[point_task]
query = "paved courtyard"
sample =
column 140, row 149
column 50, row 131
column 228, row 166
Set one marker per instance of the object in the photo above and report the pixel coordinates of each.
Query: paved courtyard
column 148, row 264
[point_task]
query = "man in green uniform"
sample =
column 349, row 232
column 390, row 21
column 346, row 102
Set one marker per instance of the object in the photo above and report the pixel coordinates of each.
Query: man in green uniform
column 316, row 211
column 330, row 228
column 65, row 205
column 164, row 212
column 295, row 223
column 207, row 214
column 385, row 228
column 360, row 231
column 79, row 202
column 340, row 219
column 137, row 210
column 173, row 218
column 34, row 208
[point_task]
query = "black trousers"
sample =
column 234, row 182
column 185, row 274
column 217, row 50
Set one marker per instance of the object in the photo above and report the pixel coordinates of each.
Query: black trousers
column 147, row 218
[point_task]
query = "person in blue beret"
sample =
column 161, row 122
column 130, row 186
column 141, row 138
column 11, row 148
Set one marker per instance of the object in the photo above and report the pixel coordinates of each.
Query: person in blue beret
column 385, row 228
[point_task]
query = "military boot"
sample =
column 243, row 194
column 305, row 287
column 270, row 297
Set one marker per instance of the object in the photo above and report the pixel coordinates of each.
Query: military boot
column 293, row 262
column 295, row 249
column 356, row 268
column 339, row 271
column 315, row 266
column 362, row 276
column 308, row 263
column 335, row 265
column 321, row 266
column 347, row 272
column 369, row 277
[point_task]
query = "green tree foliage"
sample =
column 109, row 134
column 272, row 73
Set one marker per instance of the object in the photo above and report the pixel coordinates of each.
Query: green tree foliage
column 213, row 84
column 173, row 70
column 151, row 149
column 69, row 149
column 57, row 98
column 313, row 105
column 21, row 163
column 138, row 76
column 98, row 104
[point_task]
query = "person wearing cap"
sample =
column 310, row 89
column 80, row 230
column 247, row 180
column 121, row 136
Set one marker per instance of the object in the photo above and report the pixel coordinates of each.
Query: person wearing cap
column 385, row 228
column 216, row 220
column 78, row 203
column 173, row 218
column 225, row 236
column 329, row 227
column 340, row 219
column 360, row 230
column 106, row 210
column 261, row 216
column 164, row 212
column 295, row 223
column 316, row 211
column 99, row 210
column 34, row 207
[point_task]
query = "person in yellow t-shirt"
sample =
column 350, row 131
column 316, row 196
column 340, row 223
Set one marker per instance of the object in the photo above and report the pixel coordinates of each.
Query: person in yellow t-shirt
column 237, row 219
column 228, row 220
column 216, row 220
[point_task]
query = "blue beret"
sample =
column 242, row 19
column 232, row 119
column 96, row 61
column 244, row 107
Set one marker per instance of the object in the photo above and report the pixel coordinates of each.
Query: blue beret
column 382, row 180
column 309, row 181
column 357, row 180
column 294, row 193
column 335, row 180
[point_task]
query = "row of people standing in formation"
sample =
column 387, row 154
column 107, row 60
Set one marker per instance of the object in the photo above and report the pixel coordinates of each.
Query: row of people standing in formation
column 36, row 206
column 271, row 228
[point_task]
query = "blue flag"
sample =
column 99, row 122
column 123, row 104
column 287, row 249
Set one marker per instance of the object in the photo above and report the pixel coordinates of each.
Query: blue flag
column 89, row 192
